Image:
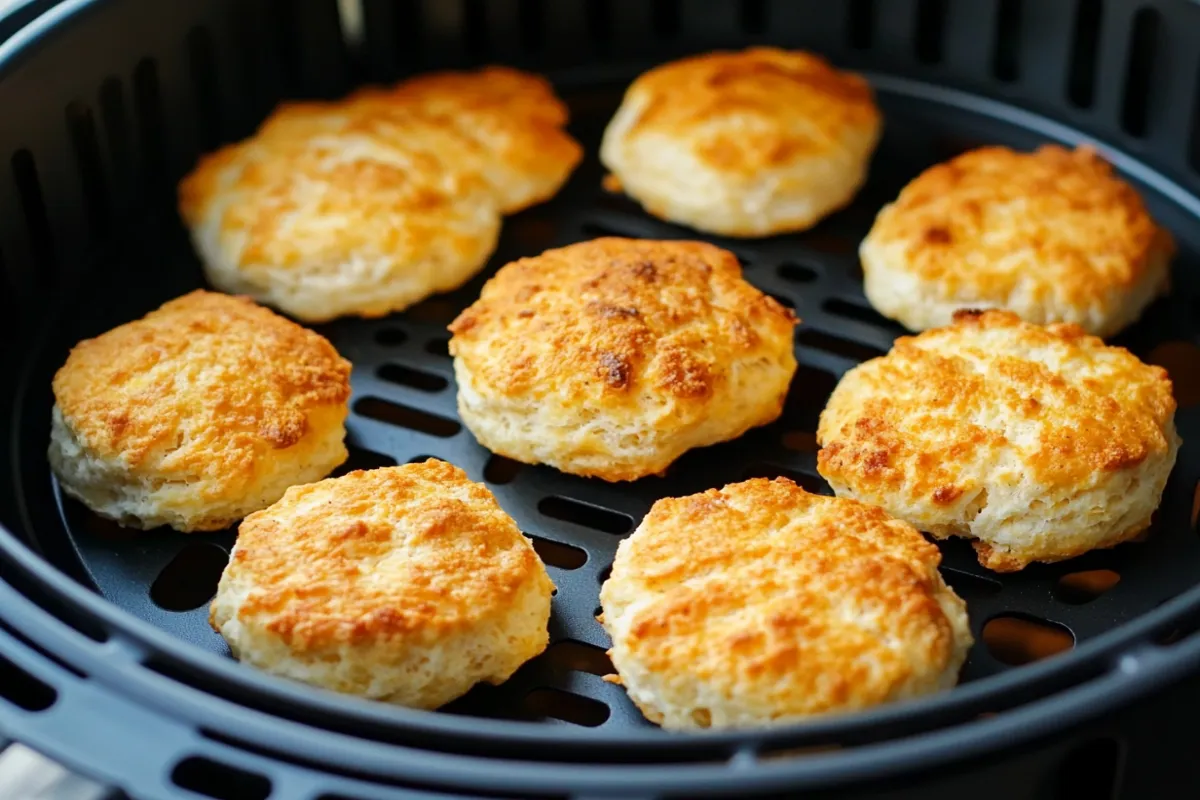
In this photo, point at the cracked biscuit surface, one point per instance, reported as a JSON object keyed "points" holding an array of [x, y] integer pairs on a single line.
{"points": [[1039, 443], [748, 143], [761, 603], [199, 413], [1053, 235], [611, 358], [407, 585]]}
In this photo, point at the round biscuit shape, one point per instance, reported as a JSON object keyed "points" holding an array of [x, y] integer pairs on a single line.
{"points": [[761, 603], [407, 585], [1053, 235], [199, 413], [1039, 443], [748, 143], [613, 357]]}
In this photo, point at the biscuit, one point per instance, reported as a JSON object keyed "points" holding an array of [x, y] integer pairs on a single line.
{"points": [[611, 358], [1040, 443], [748, 143], [1053, 236], [197, 414], [368, 205], [760, 603], [406, 584]]}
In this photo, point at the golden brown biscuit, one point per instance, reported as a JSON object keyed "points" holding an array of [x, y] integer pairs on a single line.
{"points": [[367, 205], [197, 414], [1052, 235], [613, 357], [403, 584], [1041, 443], [747, 143], [761, 603]]}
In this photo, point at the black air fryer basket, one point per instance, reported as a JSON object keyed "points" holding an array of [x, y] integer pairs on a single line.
{"points": [[1086, 674]]}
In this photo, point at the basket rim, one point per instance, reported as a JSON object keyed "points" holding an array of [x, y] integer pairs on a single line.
{"points": [[1130, 674]]}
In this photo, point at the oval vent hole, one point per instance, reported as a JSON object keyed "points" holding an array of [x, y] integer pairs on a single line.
{"points": [[209, 778], [863, 314], [405, 417], [797, 273], [1078, 588], [190, 580], [546, 703], [413, 378], [22, 689], [786, 302], [605, 574], [586, 514], [501, 470], [1181, 360], [572, 655], [557, 554], [800, 441], [440, 312], [836, 345], [391, 336], [361, 458], [1022, 640], [809, 483], [438, 347]]}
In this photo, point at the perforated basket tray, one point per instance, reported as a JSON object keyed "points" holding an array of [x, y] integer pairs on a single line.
{"points": [[88, 243]]}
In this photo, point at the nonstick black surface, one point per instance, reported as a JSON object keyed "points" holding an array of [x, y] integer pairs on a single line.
{"points": [[403, 409]]}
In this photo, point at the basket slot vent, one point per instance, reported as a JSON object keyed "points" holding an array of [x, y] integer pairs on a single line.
{"points": [[860, 24], [148, 111], [1005, 65], [664, 18], [547, 703], [475, 29], [585, 514], [752, 16], [864, 314], [797, 273], [22, 689], [406, 417], [114, 120], [501, 470], [438, 347], [283, 33], [821, 340], [579, 657], [391, 337], [1085, 44], [202, 64], [189, 581], [531, 19], [82, 127], [1140, 75], [413, 378], [209, 778], [1017, 639], [599, 17], [930, 27], [362, 458], [33, 206], [809, 483], [557, 554], [1078, 588]]}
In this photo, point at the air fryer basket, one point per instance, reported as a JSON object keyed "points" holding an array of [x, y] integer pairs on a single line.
{"points": [[107, 663]]}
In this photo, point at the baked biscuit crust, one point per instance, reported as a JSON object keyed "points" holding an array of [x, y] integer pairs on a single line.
{"points": [[367, 205], [610, 358], [1041, 443], [1053, 235], [404, 584], [761, 603], [201, 406], [745, 143]]}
